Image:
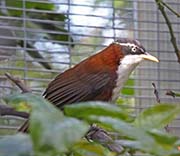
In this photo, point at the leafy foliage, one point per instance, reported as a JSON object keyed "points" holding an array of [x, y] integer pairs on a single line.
{"points": [[16, 145], [51, 132], [55, 133], [97, 109], [152, 117]]}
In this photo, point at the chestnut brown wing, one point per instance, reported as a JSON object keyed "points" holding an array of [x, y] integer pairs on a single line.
{"points": [[70, 88]]}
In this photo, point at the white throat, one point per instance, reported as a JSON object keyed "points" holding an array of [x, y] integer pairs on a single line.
{"points": [[127, 65]]}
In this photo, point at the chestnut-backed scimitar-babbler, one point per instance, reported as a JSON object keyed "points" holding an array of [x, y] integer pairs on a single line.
{"points": [[99, 77]]}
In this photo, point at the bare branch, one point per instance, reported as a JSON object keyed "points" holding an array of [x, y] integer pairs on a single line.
{"points": [[18, 82], [172, 10], [173, 38], [167, 129], [172, 93], [156, 93], [6, 110], [24, 127], [24, 89]]}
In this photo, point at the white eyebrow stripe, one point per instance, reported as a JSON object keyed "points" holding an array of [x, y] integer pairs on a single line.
{"points": [[130, 44], [127, 44]]}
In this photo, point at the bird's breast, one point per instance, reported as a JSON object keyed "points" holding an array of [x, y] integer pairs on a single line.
{"points": [[123, 72]]}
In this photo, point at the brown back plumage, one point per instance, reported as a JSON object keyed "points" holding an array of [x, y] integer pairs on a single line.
{"points": [[92, 79]]}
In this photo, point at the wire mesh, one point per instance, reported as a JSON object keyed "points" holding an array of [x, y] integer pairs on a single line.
{"points": [[41, 38]]}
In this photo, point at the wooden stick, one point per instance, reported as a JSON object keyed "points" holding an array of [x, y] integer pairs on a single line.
{"points": [[24, 89], [156, 93], [19, 83], [6, 110]]}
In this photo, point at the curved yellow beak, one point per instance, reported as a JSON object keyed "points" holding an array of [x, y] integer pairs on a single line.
{"points": [[149, 57]]}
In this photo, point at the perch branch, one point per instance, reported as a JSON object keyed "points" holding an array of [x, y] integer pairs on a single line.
{"points": [[6, 110], [24, 89], [173, 38], [18, 82], [172, 10], [104, 138]]}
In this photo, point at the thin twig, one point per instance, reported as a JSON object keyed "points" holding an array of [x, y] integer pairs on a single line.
{"points": [[24, 128], [167, 129], [172, 93], [172, 10], [156, 93], [24, 89], [19, 83], [173, 38], [6, 110]]}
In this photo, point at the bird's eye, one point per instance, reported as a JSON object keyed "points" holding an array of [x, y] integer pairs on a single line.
{"points": [[133, 48]]}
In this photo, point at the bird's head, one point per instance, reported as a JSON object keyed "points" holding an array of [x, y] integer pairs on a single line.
{"points": [[133, 51]]}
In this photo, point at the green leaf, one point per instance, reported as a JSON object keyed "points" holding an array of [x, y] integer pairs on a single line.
{"points": [[157, 116], [52, 132], [29, 5], [40, 5], [36, 102], [165, 139], [89, 148], [16, 145], [86, 109], [138, 138]]}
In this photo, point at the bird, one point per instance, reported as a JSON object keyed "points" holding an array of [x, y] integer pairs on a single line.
{"points": [[99, 77]]}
